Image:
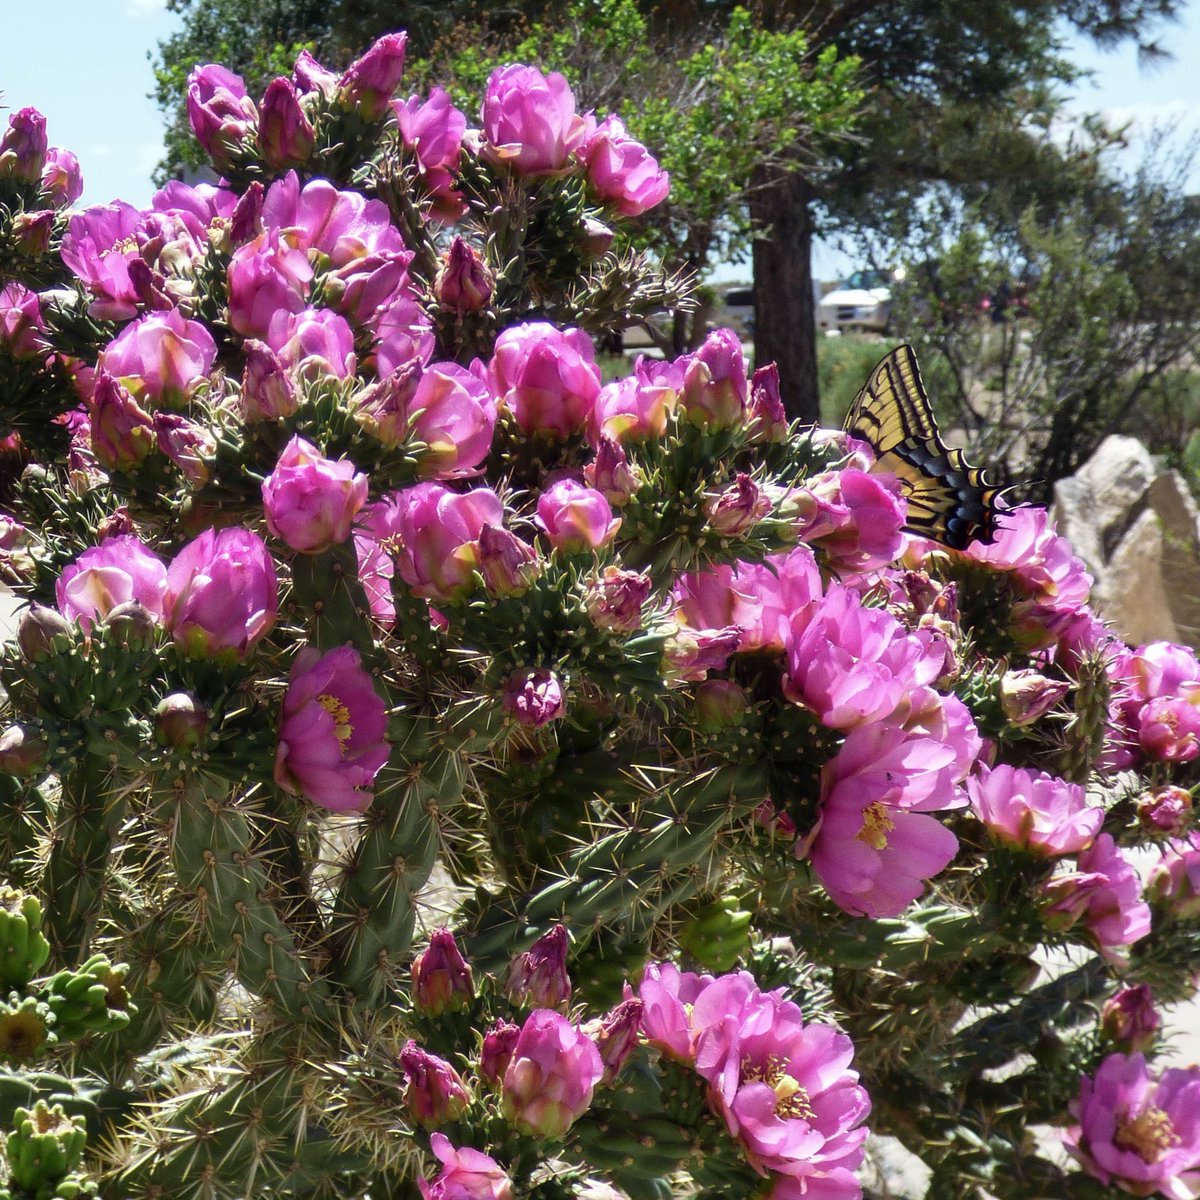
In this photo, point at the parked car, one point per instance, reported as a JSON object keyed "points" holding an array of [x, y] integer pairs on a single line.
{"points": [[862, 301]]}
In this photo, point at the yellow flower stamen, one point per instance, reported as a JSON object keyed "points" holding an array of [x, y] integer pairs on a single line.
{"points": [[1149, 1134], [792, 1101], [876, 826], [341, 717]]}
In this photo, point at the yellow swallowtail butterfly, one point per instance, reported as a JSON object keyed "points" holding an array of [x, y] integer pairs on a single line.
{"points": [[949, 500]]}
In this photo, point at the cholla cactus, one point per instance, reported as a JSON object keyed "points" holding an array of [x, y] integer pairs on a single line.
{"points": [[361, 604]]}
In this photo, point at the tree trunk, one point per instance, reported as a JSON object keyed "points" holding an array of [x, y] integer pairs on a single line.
{"points": [[785, 330]]}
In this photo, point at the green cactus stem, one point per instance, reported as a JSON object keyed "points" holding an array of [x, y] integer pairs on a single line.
{"points": [[662, 855], [22, 820], [221, 866], [90, 809], [326, 588]]}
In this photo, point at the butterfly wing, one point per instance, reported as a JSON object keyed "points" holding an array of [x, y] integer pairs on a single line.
{"points": [[949, 500]]}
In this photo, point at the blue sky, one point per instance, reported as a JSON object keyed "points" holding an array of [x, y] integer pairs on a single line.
{"points": [[84, 64]]}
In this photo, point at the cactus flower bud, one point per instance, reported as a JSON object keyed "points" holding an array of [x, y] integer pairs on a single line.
{"points": [[188, 445], [768, 419], [720, 704], [31, 231], [62, 181], [1162, 811], [442, 979], [508, 565], [498, 1045], [611, 473], [131, 625], [180, 721], [534, 697], [597, 237], [122, 432], [367, 83], [1129, 1019], [285, 135], [220, 112], [552, 1076], [738, 508], [1027, 695], [614, 601], [434, 1092], [538, 978], [267, 390], [117, 523], [20, 753], [42, 633], [23, 147], [245, 222], [616, 1036], [464, 283]]}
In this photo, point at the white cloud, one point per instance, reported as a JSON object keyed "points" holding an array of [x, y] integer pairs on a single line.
{"points": [[144, 8]]}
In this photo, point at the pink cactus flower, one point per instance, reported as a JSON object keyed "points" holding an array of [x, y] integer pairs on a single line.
{"points": [[668, 997], [62, 180], [507, 564], [738, 508], [1139, 1133], [222, 594], [575, 518], [1104, 894], [529, 121], [333, 733], [616, 1036], [311, 78], [439, 538], [370, 285], [552, 1075], [1174, 880], [433, 130], [546, 377], [330, 226], [855, 518], [621, 171], [612, 473], [534, 696], [266, 276], [1034, 811], [22, 328], [874, 846], [313, 343], [120, 569], [852, 665], [403, 333], [767, 417], [222, 116], [441, 977], [784, 1088], [161, 357], [497, 1050], [453, 414], [466, 1175], [1163, 811], [310, 500], [715, 388], [636, 408]]}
